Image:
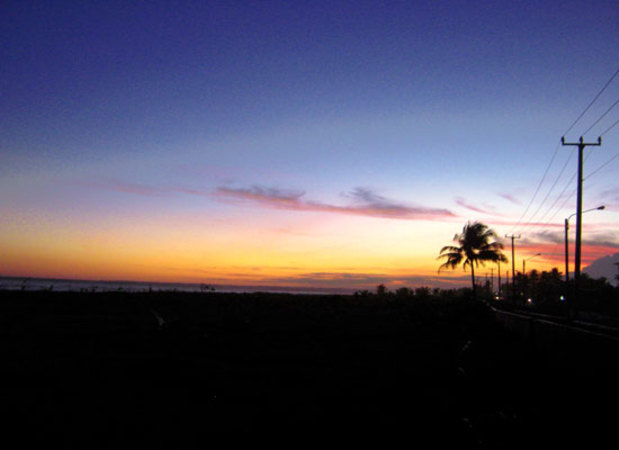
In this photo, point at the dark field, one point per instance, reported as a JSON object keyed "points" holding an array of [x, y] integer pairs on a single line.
{"points": [[115, 368]]}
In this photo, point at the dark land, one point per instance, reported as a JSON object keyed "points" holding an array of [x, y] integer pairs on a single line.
{"points": [[110, 369]]}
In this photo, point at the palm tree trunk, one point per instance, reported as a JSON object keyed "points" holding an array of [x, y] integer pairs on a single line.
{"points": [[473, 281]]}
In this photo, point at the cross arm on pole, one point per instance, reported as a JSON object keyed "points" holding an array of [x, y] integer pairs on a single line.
{"points": [[581, 142]]}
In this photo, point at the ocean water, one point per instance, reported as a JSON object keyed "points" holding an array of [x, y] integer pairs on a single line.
{"points": [[64, 285]]}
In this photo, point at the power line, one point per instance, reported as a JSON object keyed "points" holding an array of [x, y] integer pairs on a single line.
{"points": [[559, 145], [609, 128], [531, 218], [566, 199], [538, 186], [600, 118], [602, 166], [591, 104], [539, 227], [570, 196]]}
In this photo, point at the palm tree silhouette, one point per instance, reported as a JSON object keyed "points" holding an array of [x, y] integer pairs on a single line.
{"points": [[477, 245]]}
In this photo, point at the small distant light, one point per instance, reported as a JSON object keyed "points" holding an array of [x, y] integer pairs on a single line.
{"points": [[529, 300], [562, 298]]}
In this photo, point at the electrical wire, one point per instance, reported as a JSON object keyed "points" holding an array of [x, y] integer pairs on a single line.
{"points": [[600, 118], [539, 226], [609, 128], [554, 155], [571, 195], [602, 166], [550, 191], [562, 205], [532, 221], [592, 102], [557, 149]]}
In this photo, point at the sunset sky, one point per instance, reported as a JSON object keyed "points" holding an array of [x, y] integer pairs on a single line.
{"points": [[335, 143]]}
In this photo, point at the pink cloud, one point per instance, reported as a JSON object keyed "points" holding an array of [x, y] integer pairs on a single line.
{"points": [[511, 199], [364, 202], [462, 202]]}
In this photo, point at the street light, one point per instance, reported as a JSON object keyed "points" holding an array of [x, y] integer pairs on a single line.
{"points": [[525, 260], [567, 227]]}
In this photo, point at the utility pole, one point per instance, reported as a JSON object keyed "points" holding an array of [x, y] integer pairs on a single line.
{"points": [[512, 237], [567, 248], [567, 251], [499, 275], [581, 147]]}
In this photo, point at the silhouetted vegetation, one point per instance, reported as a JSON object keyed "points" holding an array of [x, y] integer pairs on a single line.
{"points": [[547, 292], [118, 366], [476, 245]]}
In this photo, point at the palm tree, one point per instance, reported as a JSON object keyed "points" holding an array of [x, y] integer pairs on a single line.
{"points": [[477, 245]]}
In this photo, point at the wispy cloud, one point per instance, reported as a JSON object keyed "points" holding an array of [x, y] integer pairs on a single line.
{"points": [[529, 225], [510, 199], [273, 197], [479, 209], [363, 202], [558, 237], [543, 237], [368, 280], [602, 240], [551, 245]]}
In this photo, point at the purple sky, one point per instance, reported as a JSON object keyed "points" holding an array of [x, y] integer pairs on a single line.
{"points": [[202, 140]]}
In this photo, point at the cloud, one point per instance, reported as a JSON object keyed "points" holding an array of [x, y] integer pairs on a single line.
{"points": [[558, 237], [605, 266], [551, 244], [602, 240], [486, 210], [544, 237], [364, 202], [273, 197], [353, 281], [511, 199], [512, 223]]}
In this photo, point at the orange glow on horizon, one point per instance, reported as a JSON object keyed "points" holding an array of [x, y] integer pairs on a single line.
{"points": [[308, 249]]}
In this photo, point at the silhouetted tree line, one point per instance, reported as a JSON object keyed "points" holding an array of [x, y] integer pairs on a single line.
{"points": [[422, 292], [543, 292], [547, 292]]}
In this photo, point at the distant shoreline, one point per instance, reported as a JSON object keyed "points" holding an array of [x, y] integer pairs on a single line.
{"points": [[69, 285]]}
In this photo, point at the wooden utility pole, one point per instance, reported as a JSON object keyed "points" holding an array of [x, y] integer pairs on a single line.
{"points": [[567, 251], [512, 237], [499, 275], [581, 147]]}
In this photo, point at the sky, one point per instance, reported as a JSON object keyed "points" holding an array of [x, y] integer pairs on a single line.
{"points": [[323, 144]]}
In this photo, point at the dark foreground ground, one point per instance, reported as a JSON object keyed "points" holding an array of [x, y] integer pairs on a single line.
{"points": [[118, 369]]}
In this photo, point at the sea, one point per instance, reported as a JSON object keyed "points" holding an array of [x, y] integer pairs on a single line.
{"points": [[67, 285]]}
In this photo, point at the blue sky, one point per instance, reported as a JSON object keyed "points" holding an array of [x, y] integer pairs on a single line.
{"points": [[164, 117]]}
